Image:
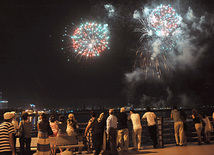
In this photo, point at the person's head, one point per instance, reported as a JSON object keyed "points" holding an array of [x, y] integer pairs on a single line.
{"points": [[123, 109], [111, 111], [71, 117], [148, 109], [52, 118], [43, 117], [174, 107], [62, 118], [8, 116], [25, 116], [195, 112], [93, 114], [132, 111], [203, 115]]}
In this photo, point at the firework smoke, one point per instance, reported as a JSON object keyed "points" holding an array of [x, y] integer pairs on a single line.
{"points": [[191, 44], [111, 10]]}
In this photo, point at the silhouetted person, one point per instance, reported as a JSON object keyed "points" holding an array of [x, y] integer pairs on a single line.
{"points": [[197, 119], [122, 130], [98, 133]]}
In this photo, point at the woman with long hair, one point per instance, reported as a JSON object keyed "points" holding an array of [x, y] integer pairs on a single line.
{"points": [[88, 132], [197, 119], [98, 133], [62, 128], [71, 125], [55, 128], [208, 128], [43, 145]]}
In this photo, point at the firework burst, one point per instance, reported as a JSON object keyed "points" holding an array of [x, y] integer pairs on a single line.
{"points": [[87, 41], [160, 29]]}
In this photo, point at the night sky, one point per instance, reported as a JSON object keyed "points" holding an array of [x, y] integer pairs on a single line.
{"points": [[35, 70]]}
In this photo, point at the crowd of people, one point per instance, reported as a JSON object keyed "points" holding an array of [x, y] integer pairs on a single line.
{"points": [[10, 130], [117, 129], [114, 127], [201, 123]]}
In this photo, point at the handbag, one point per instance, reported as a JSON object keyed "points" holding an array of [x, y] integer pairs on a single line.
{"points": [[20, 132], [50, 132]]}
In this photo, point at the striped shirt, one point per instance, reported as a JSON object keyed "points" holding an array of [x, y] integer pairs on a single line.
{"points": [[6, 128]]}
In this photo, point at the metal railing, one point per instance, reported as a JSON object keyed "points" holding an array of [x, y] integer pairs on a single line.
{"points": [[165, 132]]}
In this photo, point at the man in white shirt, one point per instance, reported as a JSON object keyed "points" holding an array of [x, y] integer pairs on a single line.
{"points": [[151, 120], [111, 125], [137, 129]]}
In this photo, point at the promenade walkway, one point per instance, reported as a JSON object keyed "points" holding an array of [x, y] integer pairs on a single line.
{"points": [[190, 149], [170, 149]]}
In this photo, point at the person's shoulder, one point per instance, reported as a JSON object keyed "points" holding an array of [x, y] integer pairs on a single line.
{"points": [[135, 114], [7, 124], [145, 114], [108, 117]]}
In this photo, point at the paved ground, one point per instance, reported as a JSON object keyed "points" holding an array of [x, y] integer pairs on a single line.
{"points": [[190, 149]]}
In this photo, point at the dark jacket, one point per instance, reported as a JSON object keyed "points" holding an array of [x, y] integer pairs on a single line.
{"points": [[122, 121]]}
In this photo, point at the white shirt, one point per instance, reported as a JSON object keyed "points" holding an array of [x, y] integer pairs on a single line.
{"points": [[135, 118], [111, 122], [150, 116]]}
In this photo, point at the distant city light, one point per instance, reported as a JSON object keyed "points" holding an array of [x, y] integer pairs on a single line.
{"points": [[32, 105], [3, 101]]}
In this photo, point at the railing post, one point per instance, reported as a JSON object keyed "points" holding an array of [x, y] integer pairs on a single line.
{"points": [[160, 131]]}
